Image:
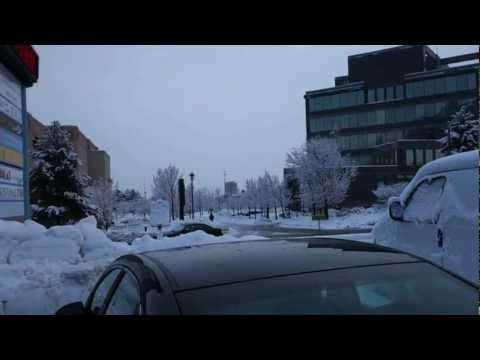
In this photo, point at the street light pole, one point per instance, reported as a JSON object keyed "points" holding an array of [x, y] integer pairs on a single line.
{"points": [[192, 175]]}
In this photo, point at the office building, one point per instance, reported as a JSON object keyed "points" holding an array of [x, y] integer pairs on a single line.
{"points": [[389, 111], [231, 188]]}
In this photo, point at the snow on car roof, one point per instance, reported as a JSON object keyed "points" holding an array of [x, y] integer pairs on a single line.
{"points": [[465, 160], [222, 263]]}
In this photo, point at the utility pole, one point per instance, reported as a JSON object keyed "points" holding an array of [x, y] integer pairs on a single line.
{"points": [[192, 175]]}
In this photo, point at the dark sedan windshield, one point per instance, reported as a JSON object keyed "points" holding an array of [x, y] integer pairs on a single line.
{"points": [[413, 288]]}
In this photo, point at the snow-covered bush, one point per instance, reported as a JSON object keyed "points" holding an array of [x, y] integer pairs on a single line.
{"points": [[57, 191], [383, 191]]}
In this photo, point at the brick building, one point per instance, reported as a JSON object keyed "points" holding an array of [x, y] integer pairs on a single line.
{"points": [[95, 162]]}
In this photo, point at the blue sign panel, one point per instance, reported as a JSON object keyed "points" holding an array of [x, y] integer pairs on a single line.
{"points": [[13, 186]]}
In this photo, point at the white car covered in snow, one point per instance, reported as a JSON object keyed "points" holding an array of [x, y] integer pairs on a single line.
{"points": [[436, 216]]}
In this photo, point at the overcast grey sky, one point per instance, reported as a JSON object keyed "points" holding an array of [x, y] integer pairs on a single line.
{"points": [[202, 108]]}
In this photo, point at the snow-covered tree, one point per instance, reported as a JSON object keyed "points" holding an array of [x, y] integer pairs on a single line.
{"points": [[165, 186], [323, 174], [57, 191], [102, 197], [384, 192], [462, 133]]}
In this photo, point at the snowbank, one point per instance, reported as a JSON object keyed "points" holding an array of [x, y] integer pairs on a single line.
{"points": [[42, 270], [355, 218]]}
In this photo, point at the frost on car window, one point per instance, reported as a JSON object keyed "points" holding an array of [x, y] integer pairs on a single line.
{"points": [[422, 205]]}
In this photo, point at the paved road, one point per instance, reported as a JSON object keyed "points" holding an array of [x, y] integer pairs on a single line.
{"points": [[275, 231]]}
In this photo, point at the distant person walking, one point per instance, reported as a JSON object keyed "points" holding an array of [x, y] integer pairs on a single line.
{"points": [[211, 217]]}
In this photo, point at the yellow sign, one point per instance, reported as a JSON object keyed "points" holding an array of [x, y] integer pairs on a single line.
{"points": [[11, 157]]}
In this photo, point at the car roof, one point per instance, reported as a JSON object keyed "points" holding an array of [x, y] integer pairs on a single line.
{"points": [[221, 263]]}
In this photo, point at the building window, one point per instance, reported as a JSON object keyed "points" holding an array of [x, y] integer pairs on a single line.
{"points": [[429, 110], [419, 111], [371, 95], [390, 116], [410, 90], [362, 119], [472, 81], [440, 86], [439, 108], [451, 84], [327, 102], [429, 87], [409, 157], [372, 139], [381, 94], [428, 155], [378, 117], [390, 93], [419, 157], [380, 138], [352, 120], [335, 101], [399, 91], [462, 82], [409, 113], [419, 88], [399, 115], [360, 97]]}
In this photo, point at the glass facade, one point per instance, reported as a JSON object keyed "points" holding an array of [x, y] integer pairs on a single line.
{"points": [[409, 157], [336, 101], [390, 94], [442, 85], [399, 91], [366, 140], [380, 94], [389, 116]]}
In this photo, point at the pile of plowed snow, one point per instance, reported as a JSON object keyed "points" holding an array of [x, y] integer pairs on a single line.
{"points": [[43, 269]]}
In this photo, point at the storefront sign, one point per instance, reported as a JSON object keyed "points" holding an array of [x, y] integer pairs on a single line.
{"points": [[11, 193], [10, 110], [10, 88], [10, 175]]}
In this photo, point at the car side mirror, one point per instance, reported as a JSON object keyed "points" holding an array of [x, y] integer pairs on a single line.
{"points": [[395, 209], [75, 308]]}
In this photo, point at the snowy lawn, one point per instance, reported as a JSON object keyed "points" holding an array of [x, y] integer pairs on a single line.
{"points": [[358, 218], [43, 269]]}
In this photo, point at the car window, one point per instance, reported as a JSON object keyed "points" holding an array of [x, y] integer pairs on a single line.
{"points": [[101, 292], [423, 202], [411, 288], [126, 298]]}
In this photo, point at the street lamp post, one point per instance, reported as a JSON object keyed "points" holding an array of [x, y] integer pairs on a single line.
{"points": [[192, 175]]}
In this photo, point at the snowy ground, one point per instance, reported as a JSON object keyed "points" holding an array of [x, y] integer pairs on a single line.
{"points": [[41, 270], [358, 218]]}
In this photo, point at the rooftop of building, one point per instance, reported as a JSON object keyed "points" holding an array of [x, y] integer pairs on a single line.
{"points": [[424, 62]]}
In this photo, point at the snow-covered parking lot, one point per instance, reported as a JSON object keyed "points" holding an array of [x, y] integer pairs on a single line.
{"points": [[41, 270]]}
